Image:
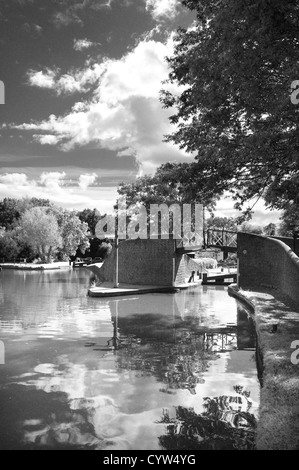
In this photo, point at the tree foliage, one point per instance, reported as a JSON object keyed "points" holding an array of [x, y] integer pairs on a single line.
{"points": [[171, 183], [40, 230], [289, 222], [12, 209], [234, 112], [251, 228], [222, 223], [270, 230], [91, 217], [31, 228], [74, 233], [9, 248]]}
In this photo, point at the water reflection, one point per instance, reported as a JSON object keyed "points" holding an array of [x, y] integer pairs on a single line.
{"points": [[225, 424], [90, 373]]}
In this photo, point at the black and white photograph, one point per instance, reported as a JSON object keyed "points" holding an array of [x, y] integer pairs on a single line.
{"points": [[149, 227]]}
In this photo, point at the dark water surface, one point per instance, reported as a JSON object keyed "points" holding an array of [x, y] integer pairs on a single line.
{"points": [[155, 371]]}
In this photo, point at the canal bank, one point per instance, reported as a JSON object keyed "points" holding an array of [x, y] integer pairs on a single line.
{"points": [[36, 267], [277, 327]]}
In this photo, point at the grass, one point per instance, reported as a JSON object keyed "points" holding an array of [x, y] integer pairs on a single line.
{"points": [[278, 425]]}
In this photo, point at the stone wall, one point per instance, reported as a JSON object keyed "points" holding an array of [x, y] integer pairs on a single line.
{"points": [[144, 262], [290, 242], [149, 262], [267, 262]]}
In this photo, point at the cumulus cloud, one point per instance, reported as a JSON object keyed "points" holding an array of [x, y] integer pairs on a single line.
{"points": [[80, 44], [76, 81], [14, 179], [123, 112], [61, 188], [52, 180], [46, 139], [42, 79], [161, 9], [87, 179]]}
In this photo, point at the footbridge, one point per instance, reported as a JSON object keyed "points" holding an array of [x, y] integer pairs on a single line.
{"points": [[225, 240]]}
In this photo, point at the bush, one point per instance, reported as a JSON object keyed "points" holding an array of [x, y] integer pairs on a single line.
{"points": [[207, 263]]}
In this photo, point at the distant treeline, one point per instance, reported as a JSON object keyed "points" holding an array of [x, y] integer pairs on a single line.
{"points": [[37, 230]]}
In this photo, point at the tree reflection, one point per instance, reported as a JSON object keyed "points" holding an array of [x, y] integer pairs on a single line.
{"points": [[226, 423], [177, 365]]}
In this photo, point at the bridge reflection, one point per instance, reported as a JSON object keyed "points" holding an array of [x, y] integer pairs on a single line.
{"points": [[179, 327]]}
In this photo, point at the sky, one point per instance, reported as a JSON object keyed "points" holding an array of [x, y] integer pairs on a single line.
{"points": [[82, 111]]}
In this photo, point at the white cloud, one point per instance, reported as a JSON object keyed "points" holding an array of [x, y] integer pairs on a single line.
{"points": [[52, 185], [14, 179], [52, 180], [46, 139], [42, 79], [161, 9], [124, 113], [80, 44], [87, 179], [79, 80]]}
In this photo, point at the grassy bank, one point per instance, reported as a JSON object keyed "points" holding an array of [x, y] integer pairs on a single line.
{"points": [[35, 266], [278, 426]]}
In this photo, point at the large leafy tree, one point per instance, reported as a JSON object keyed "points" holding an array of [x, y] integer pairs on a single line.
{"points": [[91, 217], [12, 209], [74, 233], [171, 183], [9, 248], [222, 223], [234, 112], [39, 230], [289, 225]]}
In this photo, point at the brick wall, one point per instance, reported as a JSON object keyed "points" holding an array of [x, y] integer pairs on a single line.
{"points": [[180, 270], [145, 262], [267, 261], [290, 242]]}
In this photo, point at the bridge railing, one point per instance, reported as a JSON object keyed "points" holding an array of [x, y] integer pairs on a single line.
{"points": [[221, 238]]}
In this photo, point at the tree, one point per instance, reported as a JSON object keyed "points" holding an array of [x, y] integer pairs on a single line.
{"points": [[74, 233], [12, 209], [91, 217], [9, 212], [270, 230], [9, 248], [222, 223], [289, 222], [250, 228], [40, 230], [104, 249], [234, 112], [172, 183]]}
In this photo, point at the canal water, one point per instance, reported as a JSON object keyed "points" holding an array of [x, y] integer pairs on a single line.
{"points": [[155, 371]]}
